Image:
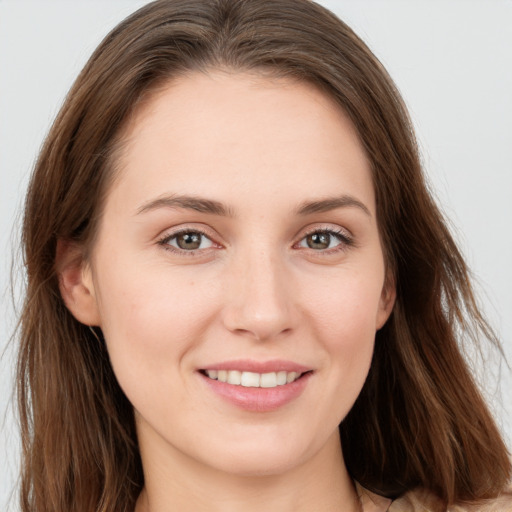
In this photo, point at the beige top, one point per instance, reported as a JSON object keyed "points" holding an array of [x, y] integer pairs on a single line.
{"points": [[422, 501]]}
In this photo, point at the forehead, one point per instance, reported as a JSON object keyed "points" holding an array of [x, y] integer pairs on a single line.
{"points": [[224, 130]]}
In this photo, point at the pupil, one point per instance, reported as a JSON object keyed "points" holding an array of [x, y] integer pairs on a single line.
{"points": [[318, 240], [189, 241]]}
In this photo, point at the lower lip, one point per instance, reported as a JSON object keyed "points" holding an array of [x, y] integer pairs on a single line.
{"points": [[258, 399]]}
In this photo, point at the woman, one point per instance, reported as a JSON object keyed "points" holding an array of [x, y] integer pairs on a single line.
{"points": [[240, 293]]}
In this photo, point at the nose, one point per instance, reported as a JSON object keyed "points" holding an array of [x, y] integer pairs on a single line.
{"points": [[259, 298]]}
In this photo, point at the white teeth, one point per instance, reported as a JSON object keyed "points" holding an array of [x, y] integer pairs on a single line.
{"points": [[234, 377], [252, 379], [290, 377], [268, 380]]}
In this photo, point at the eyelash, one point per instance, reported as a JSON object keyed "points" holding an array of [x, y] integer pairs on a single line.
{"points": [[346, 241], [164, 241]]}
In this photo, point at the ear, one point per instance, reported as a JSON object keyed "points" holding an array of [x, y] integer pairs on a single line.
{"points": [[76, 283], [387, 301]]}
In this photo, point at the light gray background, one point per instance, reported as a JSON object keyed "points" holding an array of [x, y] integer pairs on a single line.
{"points": [[452, 60]]}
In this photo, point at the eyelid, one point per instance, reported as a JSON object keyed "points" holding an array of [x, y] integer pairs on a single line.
{"points": [[343, 234], [334, 228], [173, 233]]}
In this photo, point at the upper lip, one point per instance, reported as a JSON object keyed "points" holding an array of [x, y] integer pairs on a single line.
{"points": [[250, 365]]}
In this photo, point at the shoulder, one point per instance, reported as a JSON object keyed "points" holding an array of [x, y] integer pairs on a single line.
{"points": [[371, 502], [423, 501]]}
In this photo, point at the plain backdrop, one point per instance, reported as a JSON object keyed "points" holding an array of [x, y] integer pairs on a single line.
{"points": [[452, 60]]}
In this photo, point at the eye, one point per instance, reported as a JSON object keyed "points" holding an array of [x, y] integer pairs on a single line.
{"points": [[189, 240], [321, 240]]}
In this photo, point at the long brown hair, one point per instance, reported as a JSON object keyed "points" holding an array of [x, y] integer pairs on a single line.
{"points": [[419, 420]]}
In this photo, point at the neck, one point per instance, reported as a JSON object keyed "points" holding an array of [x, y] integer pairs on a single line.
{"points": [[177, 483]]}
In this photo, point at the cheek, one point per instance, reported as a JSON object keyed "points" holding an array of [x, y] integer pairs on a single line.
{"points": [[347, 304], [343, 316], [150, 322]]}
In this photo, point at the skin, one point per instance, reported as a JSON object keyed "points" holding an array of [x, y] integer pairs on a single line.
{"points": [[254, 289]]}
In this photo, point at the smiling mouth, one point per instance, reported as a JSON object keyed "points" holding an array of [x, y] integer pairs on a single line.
{"points": [[252, 379]]}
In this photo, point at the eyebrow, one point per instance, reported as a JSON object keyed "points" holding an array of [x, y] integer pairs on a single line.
{"points": [[195, 203], [213, 207], [331, 203]]}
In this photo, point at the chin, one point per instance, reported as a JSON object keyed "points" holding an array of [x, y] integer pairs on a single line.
{"points": [[258, 465], [262, 458]]}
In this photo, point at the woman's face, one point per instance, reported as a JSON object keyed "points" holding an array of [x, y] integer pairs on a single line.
{"points": [[239, 242]]}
